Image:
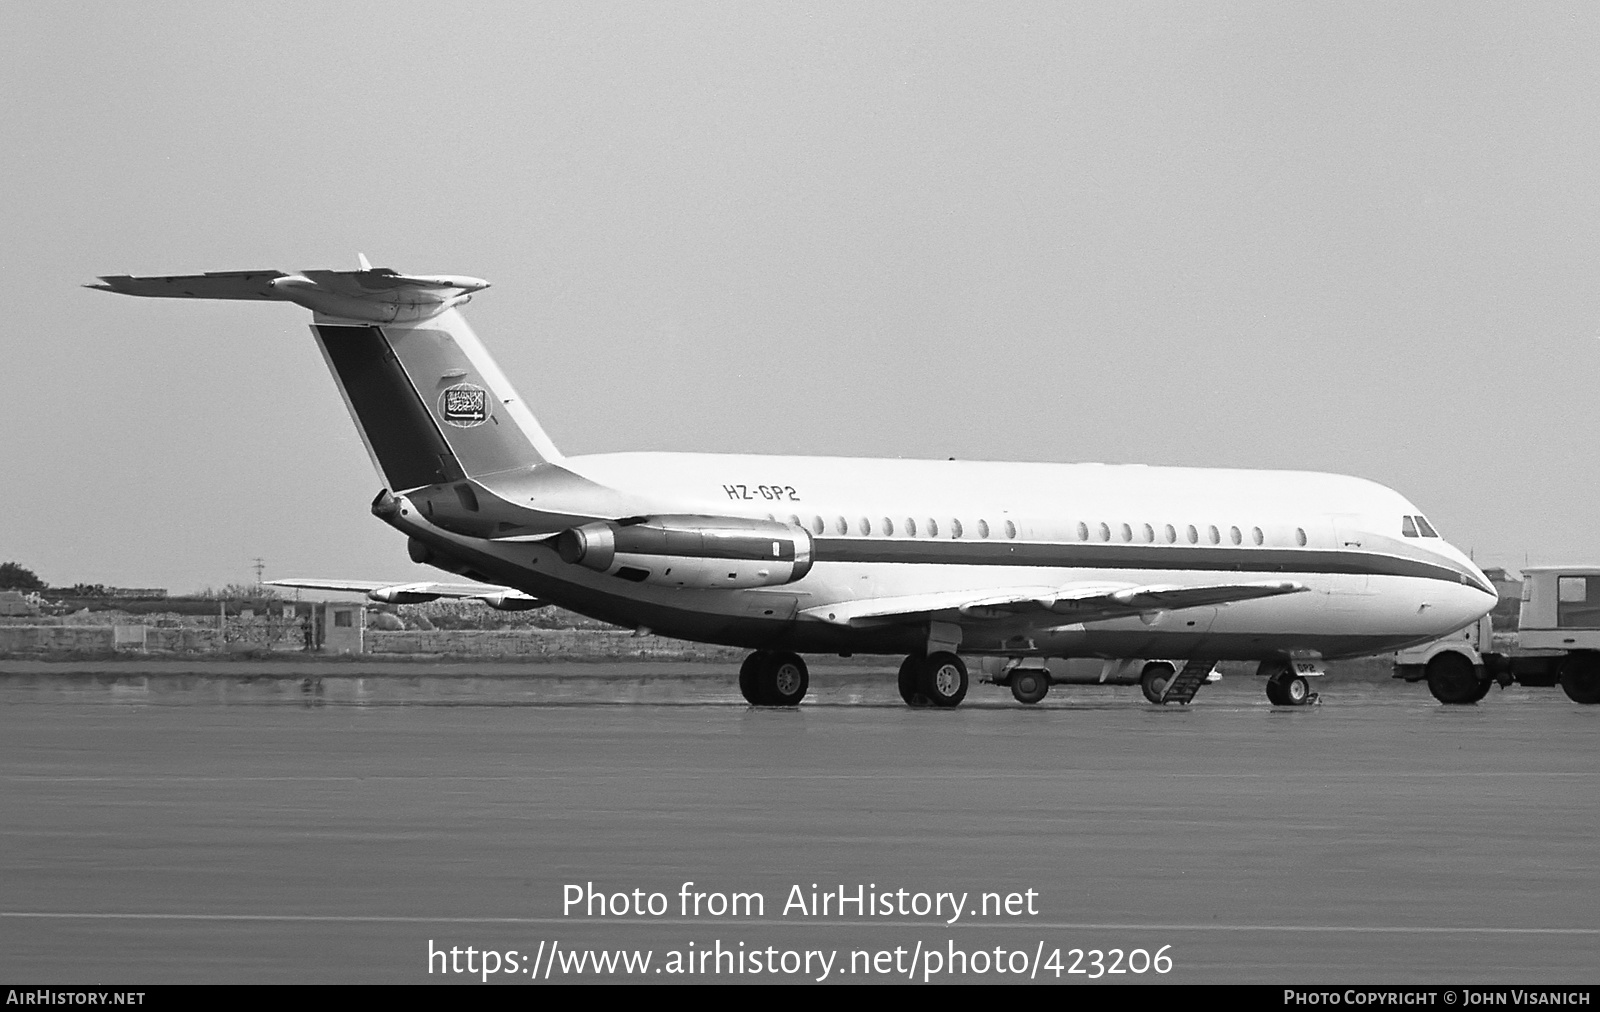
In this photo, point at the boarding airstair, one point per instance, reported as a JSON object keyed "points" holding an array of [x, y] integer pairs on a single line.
{"points": [[1187, 682]]}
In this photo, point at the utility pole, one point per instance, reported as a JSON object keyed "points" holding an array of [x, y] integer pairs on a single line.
{"points": [[260, 567]]}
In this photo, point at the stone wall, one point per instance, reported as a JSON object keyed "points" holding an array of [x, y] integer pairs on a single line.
{"points": [[553, 643], [24, 639], [44, 638]]}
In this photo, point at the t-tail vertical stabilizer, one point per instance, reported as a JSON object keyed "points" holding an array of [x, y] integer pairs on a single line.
{"points": [[438, 417]]}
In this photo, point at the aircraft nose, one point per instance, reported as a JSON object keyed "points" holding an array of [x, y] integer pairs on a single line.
{"points": [[1482, 596], [1486, 603], [1482, 584]]}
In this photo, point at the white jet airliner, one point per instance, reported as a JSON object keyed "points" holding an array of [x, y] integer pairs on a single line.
{"points": [[936, 560]]}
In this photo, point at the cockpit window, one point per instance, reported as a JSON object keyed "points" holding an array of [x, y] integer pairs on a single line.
{"points": [[1408, 527], [1426, 528]]}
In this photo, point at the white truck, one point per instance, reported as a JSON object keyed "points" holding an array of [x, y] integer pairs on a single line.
{"points": [[1557, 642]]}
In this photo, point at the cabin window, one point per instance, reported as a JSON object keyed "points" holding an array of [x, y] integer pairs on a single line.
{"points": [[1172, 535], [342, 618], [817, 526], [1149, 534], [866, 526], [1011, 529], [1105, 531], [1578, 602], [842, 526], [933, 528], [1127, 533], [1214, 535], [1257, 536], [911, 528], [794, 519], [1300, 536], [1083, 531], [1408, 527], [1194, 535], [888, 527], [983, 528], [955, 528], [1235, 536], [1426, 528]]}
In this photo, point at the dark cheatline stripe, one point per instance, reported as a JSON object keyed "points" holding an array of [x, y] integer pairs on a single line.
{"points": [[1057, 556], [397, 424]]}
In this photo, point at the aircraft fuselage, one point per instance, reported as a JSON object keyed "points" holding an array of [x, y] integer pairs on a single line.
{"points": [[898, 528]]}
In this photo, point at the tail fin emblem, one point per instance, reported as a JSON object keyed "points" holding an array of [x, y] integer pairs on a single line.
{"points": [[464, 405]]}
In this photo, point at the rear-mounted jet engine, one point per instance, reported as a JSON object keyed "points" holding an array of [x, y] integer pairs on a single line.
{"points": [[704, 552]]}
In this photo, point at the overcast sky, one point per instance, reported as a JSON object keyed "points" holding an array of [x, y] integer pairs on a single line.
{"points": [[1343, 237]]}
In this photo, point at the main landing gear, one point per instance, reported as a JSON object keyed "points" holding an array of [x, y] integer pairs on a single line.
{"points": [[1285, 686], [774, 678], [1154, 679], [936, 679], [779, 678]]}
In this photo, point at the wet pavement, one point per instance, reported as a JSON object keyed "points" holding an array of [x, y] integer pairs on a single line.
{"points": [[255, 827]]}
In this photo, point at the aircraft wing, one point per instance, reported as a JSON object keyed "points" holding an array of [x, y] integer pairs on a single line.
{"points": [[1071, 604], [503, 598]]}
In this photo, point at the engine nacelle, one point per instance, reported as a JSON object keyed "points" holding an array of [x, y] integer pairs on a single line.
{"points": [[702, 552]]}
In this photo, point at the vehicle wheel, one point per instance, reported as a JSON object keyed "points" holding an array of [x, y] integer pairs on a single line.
{"points": [[943, 679], [910, 668], [1029, 685], [749, 684], [1484, 685], [783, 679], [1580, 678], [1155, 678], [1452, 679]]}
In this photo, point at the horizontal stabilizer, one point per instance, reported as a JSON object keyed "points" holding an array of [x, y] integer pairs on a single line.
{"points": [[217, 285], [373, 295]]}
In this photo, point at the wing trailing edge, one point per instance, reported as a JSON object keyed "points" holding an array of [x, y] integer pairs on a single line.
{"points": [[1048, 605]]}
